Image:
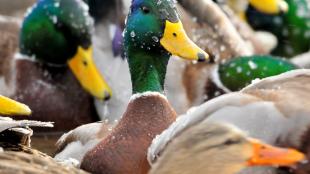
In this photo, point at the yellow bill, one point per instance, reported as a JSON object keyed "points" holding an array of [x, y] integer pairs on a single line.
{"points": [[176, 41], [11, 107], [270, 6], [264, 154], [83, 67]]}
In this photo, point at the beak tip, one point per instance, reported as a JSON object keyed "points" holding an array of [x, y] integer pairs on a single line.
{"points": [[27, 110], [107, 96], [202, 57]]}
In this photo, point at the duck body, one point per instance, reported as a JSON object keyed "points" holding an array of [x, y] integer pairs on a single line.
{"points": [[208, 147], [264, 110], [130, 139], [76, 143], [268, 98], [53, 91], [291, 28]]}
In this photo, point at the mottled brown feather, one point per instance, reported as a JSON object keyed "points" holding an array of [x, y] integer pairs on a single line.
{"points": [[54, 95], [124, 151]]}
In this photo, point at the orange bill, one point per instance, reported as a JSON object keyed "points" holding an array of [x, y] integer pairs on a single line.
{"points": [[264, 154]]}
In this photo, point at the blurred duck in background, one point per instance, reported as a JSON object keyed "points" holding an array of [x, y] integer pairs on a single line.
{"points": [[292, 29], [55, 73]]}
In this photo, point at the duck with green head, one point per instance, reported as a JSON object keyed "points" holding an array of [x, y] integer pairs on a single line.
{"points": [[200, 82], [153, 33], [291, 28], [239, 72], [57, 34], [234, 75], [209, 81]]}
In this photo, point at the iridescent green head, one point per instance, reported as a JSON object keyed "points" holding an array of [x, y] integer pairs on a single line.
{"points": [[240, 72], [59, 32], [54, 29], [291, 29], [153, 33], [154, 25]]}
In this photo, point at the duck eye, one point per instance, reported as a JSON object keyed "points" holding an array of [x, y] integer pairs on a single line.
{"points": [[231, 142], [145, 10]]}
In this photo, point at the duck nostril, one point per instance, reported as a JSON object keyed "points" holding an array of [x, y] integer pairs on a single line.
{"points": [[85, 63]]}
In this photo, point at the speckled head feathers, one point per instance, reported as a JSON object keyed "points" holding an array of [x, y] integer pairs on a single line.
{"points": [[53, 29]]}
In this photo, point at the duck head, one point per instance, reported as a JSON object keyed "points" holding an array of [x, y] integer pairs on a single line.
{"points": [[11, 107], [155, 25], [270, 6], [153, 33], [219, 148], [58, 32], [239, 72]]}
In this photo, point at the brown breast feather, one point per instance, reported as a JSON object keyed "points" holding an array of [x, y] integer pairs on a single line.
{"points": [[124, 151]]}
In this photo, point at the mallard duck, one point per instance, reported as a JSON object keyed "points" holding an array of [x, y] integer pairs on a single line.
{"points": [[239, 72], [115, 67], [209, 148], [72, 145], [148, 49], [204, 82], [274, 110], [291, 28], [55, 45]]}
